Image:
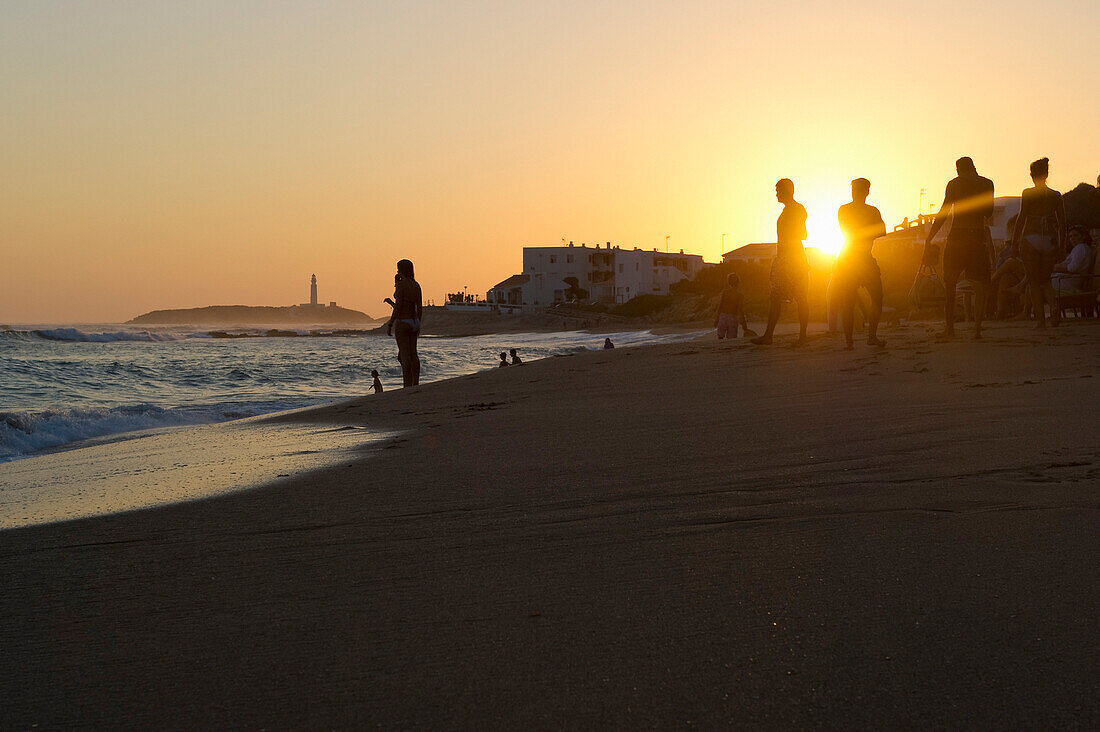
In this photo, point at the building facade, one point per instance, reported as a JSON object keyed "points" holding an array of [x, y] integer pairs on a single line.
{"points": [[757, 253], [604, 274]]}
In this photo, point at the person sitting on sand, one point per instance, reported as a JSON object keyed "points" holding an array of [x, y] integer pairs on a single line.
{"points": [[515, 358], [731, 309], [377, 385], [855, 267], [790, 276], [607, 343], [503, 359]]}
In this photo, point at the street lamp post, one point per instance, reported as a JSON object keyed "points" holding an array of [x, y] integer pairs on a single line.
{"points": [[666, 242]]}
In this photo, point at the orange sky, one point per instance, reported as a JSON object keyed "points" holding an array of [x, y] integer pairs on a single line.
{"points": [[220, 153]]}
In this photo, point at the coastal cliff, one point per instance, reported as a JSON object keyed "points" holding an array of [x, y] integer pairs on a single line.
{"points": [[252, 315]]}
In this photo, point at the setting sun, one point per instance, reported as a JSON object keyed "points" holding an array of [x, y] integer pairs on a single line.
{"points": [[822, 229]]}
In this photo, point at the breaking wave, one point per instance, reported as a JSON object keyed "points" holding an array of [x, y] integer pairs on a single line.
{"points": [[24, 433]]}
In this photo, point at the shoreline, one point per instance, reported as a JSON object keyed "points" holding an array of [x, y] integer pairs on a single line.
{"points": [[698, 532]]}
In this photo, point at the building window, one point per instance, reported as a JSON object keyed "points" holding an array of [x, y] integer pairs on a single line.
{"points": [[553, 259], [620, 269], [635, 266], [569, 259]]}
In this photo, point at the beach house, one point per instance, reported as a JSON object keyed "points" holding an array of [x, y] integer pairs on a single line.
{"points": [[757, 253], [604, 274]]}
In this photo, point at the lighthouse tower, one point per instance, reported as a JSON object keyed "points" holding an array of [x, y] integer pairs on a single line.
{"points": [[313, 290]]}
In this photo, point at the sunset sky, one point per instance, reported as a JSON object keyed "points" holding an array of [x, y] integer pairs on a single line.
{"points": [[160, 155]]}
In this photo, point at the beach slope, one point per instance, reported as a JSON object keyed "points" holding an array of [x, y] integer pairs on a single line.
{"points": [[698, 534]]}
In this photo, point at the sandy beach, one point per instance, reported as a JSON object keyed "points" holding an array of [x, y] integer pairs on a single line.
{"points": [[699, 534]]}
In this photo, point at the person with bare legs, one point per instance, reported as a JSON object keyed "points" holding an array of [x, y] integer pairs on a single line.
{"points": [[731, 309], [967, 203], [790, 276], [404, 324], [1039, 236], [855, 267]]}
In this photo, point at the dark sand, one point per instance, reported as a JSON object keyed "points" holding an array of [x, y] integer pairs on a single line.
{"points": [[689, 535]]}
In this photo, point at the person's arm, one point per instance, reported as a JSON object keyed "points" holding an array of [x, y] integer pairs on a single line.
{"points": [[939, 221], [1060, 216], [880, 226], [802, 234], [393, 315], [741, 311], [1018, 230]]}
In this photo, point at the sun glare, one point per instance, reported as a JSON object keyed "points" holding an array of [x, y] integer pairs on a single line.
{"points": [[822, 229]]}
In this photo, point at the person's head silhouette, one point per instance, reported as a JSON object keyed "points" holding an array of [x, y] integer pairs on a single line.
{"points": [[1040, 170], [405, 269], [965, 166], [861, 188], [784, 190], [733, 280]]}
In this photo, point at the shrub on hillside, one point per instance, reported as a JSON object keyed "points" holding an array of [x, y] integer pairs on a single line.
{"points": [[642, 306]]}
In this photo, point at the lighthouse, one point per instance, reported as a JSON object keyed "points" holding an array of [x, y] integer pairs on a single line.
{"points": [[313, 290]]}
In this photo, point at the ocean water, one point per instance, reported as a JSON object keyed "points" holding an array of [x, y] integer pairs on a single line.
{"points": [[61, 386]]}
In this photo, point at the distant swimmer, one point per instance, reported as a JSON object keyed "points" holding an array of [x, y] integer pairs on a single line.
{"points": [[731, 309], [968, 203], [377, 385], [503, 360], [790, 277], [855, 267], [516, 361], [607, 343], [1040, 236], [404, 324]]}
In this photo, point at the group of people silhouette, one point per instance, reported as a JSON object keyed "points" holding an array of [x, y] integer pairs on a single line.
{"points": [[1039, 235], [1037, 239]]}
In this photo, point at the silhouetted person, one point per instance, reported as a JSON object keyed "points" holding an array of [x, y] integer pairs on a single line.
{"points": [[1039, 236], [404, 324], [1072, 270], [731, 309], [790, 277], [503, 360], [516, 361], [968, 203], [607, 343], [389, 300], [855, 267], [377, 385]]}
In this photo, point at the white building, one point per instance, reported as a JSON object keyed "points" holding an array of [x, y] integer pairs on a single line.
{"points": [[606, 274]]}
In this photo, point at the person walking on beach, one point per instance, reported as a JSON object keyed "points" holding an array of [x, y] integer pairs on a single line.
{"points": [[404, 324], [1039, 236], [855, 267], [968, 203], [377, 385], [731, 309], [790, 277]]}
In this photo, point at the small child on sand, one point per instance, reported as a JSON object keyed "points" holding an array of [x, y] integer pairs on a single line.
{"points": [[377, 385], [731, 309], [515, 359], [503, 359]]}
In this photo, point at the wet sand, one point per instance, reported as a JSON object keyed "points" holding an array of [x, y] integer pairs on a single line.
{"points": [[696, 534]]}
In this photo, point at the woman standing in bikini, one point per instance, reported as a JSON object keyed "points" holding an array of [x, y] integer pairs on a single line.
{"points": [[404, 324], [1039, 236]]}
